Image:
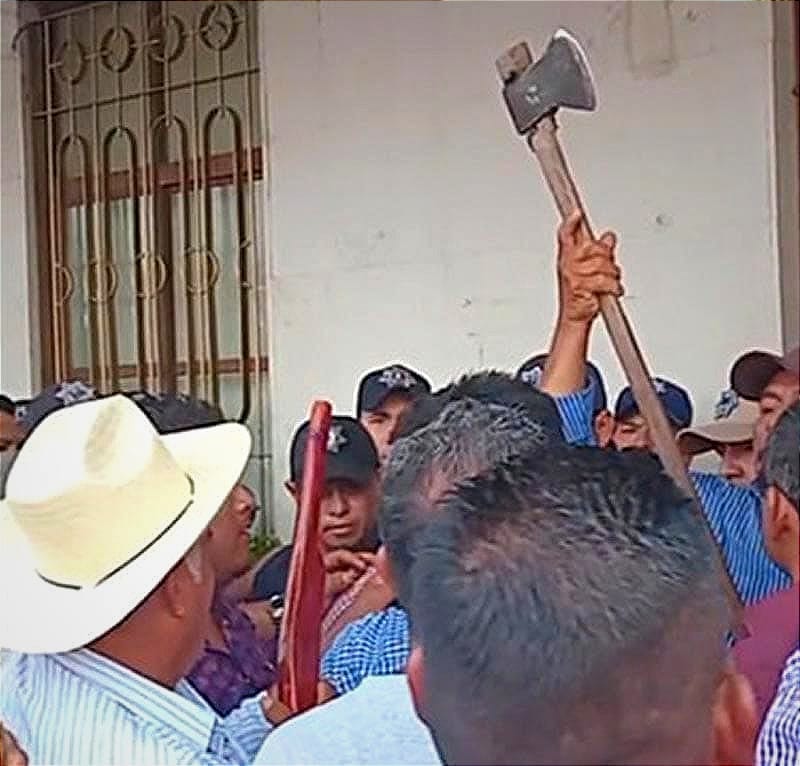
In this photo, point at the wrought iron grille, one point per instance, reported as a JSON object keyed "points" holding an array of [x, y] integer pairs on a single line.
{"points": [[144, 120]]}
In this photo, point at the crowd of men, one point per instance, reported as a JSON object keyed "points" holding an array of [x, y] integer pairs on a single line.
{"points": [[511, 577]]}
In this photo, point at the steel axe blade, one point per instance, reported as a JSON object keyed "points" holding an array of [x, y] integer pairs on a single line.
{"points": [[560, 78]]}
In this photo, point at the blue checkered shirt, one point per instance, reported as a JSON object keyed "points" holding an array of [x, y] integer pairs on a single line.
{"points": [[376, 645], [779, 741]]}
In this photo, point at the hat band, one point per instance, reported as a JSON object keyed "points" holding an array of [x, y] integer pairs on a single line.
{"points": [[136, 555]]}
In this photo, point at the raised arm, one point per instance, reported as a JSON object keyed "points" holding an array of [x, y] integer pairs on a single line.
{"points": [[586, 270]]}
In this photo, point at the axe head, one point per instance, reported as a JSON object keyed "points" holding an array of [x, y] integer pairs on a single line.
{"points": [[534, 90]]}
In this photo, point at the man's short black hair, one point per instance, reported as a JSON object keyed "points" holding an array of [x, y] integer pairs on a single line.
{"points": [[782, 461], [490, 387], [464, 439], [569, 611], [7, 405], [171, 413]]}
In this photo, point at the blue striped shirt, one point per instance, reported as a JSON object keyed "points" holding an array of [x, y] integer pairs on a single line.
{"points": [[734, 515], [575, 411], [779, 741], [82, 708]]}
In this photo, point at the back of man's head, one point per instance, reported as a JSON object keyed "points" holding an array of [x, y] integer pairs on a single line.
{"points": [[782, 461], [568, 610], [466, 438], [488, 387], [780, 521]]}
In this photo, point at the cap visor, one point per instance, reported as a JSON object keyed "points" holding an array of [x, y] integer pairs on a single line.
{"points": [[703, 438], [359, 477], [374, 403]]}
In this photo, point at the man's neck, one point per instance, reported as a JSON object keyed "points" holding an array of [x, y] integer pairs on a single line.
{"points": [[147, 657]]}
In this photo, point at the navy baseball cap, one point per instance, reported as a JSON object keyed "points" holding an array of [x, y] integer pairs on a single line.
{"points": [[531, 373], [674, 399], [351, 452], [173, 413], [376, 386], [32, 412]]}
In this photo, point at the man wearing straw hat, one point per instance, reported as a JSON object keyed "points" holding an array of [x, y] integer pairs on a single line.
{"points": [[108, 587]]}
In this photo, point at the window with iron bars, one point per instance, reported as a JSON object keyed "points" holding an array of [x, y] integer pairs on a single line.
{"points": [[146, 144]]}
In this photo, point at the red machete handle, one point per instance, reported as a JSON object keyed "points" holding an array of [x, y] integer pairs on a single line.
{"points": [[302, 622]]}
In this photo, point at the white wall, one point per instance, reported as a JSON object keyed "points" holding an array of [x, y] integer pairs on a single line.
{"points": [[409, 223], [15, 320], [787, 163]]}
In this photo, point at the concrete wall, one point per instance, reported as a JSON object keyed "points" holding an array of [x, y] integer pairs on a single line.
{"points": [[16, 326], [786, 79], [407, 222]]}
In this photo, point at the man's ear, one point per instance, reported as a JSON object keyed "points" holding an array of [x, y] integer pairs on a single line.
{"points": [[781, 527], [415, 672], [291, 488], [735, 720], [175, 590], [780, 514], [604, 427], [384, 567], [770, 520]]}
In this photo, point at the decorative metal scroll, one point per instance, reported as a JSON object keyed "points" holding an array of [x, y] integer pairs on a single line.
{"points": [[146, 173], [147, 151]]}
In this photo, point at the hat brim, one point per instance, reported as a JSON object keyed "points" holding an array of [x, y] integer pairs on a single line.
{"points": [[630, 412], [40, 617], [374, 403], [701, 439], [361, 476]]}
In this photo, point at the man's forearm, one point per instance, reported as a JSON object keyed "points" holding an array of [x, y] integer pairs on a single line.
{"points": [[565, 369]]}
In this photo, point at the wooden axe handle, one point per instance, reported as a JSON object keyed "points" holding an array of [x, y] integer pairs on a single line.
{"points": [[305, 591], [544, 142]]}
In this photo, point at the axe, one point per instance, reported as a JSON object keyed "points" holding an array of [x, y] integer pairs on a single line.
{"points": [[305, 591], [533, 92]]}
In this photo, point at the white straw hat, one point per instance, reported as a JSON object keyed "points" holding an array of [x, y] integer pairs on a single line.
{"points": [[98, 508]]}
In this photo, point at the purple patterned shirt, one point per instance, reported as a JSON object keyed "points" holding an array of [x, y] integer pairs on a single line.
{"points": [[247, 668]]}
